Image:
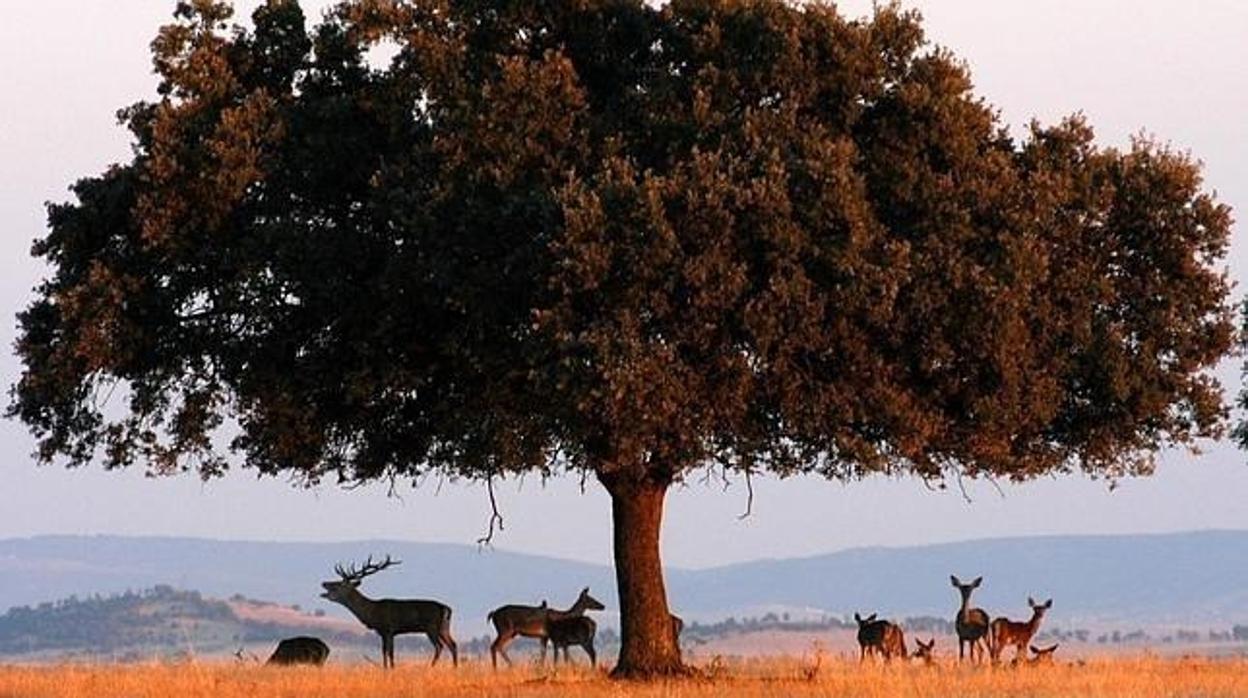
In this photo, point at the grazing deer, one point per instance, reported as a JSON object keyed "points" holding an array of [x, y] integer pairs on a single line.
{"points": [[573, 630], [531, 621], [1005, 632], [1042, 655], [923, 650], [299, 650], [390, 617], [879, 637], [971, 623]]}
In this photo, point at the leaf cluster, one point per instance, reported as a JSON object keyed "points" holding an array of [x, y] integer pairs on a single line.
{"points": [[635, 240]]}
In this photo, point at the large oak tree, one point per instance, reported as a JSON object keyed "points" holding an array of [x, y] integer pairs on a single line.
{"points": [[633, 241]]}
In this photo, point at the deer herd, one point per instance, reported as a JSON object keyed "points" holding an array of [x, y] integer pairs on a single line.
{"points": [[976, 632], [568, 627]]}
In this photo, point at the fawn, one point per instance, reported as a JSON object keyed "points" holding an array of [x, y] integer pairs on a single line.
{"points": [[1004, 632]]}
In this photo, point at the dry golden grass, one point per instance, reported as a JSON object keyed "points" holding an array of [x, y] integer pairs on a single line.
{"points": [[771, 678]]}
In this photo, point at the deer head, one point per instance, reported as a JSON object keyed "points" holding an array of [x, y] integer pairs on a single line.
{"points": [[1038, 609], [350, 577], [588, 602], [924, 650], [966, 589], [1042, 655], [863, 621]]}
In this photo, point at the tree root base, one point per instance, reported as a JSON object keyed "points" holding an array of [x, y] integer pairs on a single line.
{"points": [[660, 672]]}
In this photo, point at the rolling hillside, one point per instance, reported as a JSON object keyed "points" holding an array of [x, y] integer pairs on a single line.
{"points": [[1154, 579]]}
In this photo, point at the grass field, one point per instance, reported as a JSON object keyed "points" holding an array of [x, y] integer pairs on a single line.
{"points": [[804, 676]]}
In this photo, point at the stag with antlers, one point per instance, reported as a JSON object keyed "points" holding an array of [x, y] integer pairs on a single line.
{"points": [[1004, 632], [390, 617]]}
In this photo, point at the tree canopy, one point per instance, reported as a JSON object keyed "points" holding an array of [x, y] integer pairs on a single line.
{"points": [[626, 239]]}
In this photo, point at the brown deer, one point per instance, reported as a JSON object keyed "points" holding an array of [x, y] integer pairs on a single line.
{"points": [[970, 623], [1041, 655], [573, 630], [923, 650], [1004, 632], [879, 637], [390, 617], [894, 642], [515, 620], [299, 650]]}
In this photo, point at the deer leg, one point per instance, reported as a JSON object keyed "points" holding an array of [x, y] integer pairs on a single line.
{"points": [[542, 660], [450, 644], [593, 656], [387, 651], [437, 647], [499, 647]]}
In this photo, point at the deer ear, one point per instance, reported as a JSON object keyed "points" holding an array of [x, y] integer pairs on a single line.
{"points": [[870, 617], [1048, 604], [953, 579], [857, 618], [1031, 602], [977, 581]]}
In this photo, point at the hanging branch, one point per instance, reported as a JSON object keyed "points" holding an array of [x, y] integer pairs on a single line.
{"points": [[496, 519], [993, 481], [749, 501], [957, 477]]}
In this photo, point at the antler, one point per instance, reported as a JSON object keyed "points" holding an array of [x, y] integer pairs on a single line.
{"points": [[351, 574]]}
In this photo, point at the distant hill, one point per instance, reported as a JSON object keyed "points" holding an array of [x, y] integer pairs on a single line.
{"points": [[157, 622], [1140, 579], [1152, 579]]}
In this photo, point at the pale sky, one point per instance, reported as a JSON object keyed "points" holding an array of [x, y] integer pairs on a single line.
{"points": [[1175, 69]]}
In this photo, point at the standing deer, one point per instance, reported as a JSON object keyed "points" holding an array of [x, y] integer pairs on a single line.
{"points": [[879, 637], [299, 650], [390, 617], [1005, 632], [573, 630], [971, 623], [531, 621], [923, 650]]}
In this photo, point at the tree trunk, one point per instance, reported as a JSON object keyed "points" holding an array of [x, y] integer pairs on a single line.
{"points": [[649, 647]]}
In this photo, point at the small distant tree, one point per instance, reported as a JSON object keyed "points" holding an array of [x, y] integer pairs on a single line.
{"points": [[617, 239]]}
